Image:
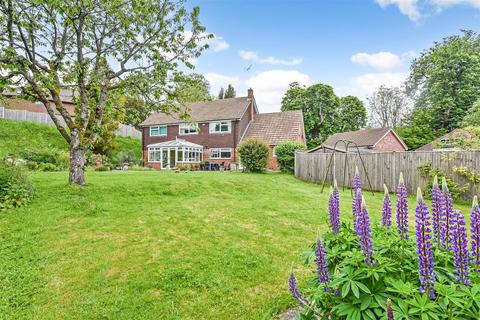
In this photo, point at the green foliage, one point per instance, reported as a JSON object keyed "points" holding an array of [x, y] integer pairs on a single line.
{"points": [[444, 81], [43, 144], [102, 168], [323, 112], [285, 153], [359, 291], [191, 88], [253, 155], [352, 114], [16, 189], [45, 159], [417, 132], [229, 93], [428, 172], [472, 117]]}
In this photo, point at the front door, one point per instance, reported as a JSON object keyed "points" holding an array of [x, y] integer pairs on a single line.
{"points": [[172, 160], [164, 158]]}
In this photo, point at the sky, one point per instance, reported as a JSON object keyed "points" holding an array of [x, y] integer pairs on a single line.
{"points": [[353, 45]]}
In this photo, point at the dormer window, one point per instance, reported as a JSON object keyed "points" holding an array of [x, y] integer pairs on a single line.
{"points": [[220, 127]]}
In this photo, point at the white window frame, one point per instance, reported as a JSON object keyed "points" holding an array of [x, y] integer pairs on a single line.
{"points": [[213, 124], [159, 134], [220, 150], [188, 126], [154, 150]]}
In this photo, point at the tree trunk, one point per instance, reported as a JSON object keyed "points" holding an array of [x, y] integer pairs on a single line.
{"points": [[77, 160]]}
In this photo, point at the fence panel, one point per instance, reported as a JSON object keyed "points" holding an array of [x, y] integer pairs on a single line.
{"points": [[377, 169], [40, 117]]}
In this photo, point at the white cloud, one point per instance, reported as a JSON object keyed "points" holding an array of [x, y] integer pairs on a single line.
{"points": [[379, 60], [407, 7], [270, 86], [218, 43], [449, 3], [366, 84], [253, 56], [218, 81]]}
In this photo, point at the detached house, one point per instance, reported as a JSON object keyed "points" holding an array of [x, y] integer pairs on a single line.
{"points": [[214, 131]]}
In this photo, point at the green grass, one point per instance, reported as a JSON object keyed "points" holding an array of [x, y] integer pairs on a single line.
{"points": [[160, 245], [17, 136]]}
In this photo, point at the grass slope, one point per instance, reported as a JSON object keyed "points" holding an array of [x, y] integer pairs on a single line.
{"points": [[16, 136], [160, 245]]}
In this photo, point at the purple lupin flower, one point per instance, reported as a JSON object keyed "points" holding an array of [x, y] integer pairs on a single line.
{"points": [[357, 201], [363, 231], [402, 209], [475, 234], [322, 264], [386, 209], [296, 294], [447, 216], [389, 310], [334, 208], [426, 274], [436, 208], [460, 249]]}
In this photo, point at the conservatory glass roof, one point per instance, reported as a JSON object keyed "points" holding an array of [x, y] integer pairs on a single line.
{"points": [[175, 143]]}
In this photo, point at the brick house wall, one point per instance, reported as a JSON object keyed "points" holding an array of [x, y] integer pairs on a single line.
{"points": [[389, 143], [204, 137]]}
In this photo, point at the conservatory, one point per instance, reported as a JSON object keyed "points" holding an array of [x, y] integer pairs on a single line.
{"points": [[171, 153]]}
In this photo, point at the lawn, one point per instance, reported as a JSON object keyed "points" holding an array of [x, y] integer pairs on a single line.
{"points": [[160, 245]]}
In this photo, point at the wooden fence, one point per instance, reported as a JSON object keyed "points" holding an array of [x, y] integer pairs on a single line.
{"points": [[40, 117], [384, 168]]}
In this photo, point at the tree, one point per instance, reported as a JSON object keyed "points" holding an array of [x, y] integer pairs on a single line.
{"points": [[95, 48], [230, 92], [387, 106], [416, 132], [444, 80], [191, 88], [472, 118], [221, 94], [294, 97], [352, 114]]}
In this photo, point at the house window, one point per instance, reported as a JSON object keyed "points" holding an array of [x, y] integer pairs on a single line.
{"points": [[158, 131], [274, 154], [154, 154], [220, 127], [186, 129], [220, 153]]}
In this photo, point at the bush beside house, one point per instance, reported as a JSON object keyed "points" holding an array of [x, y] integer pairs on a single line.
{"points": [[253, 155], [285, 153]]}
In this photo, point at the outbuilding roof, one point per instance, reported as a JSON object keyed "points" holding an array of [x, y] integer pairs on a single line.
{"points": [[362, 138]]}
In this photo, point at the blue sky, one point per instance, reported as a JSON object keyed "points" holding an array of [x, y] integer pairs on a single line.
{"points": [[353, 45]]}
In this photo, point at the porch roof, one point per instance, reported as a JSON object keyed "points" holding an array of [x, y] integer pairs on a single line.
{"points": [[175, 143]]}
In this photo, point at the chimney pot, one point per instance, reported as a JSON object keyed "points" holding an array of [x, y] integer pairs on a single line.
{"points": [[250, 93]]}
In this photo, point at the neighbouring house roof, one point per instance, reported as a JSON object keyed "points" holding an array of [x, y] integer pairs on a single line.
{"points": [[20, 104], [222, 109], [66, 95], [274, 128], [176, 143], [366, 138], [458, 139]]}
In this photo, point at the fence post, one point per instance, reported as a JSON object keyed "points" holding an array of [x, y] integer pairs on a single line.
{"points": [[3, 112]]}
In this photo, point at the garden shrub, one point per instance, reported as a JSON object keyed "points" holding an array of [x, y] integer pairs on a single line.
{"points": [[102, 168], [285, 153], [46, 159], [427, 276], [16, 189], [427, 171], [253, 155]]}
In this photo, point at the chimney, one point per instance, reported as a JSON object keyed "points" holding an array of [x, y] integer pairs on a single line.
{"points": [[250, 97]]}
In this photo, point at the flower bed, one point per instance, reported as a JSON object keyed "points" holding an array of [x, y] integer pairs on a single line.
{"points": [[382, 272]]}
